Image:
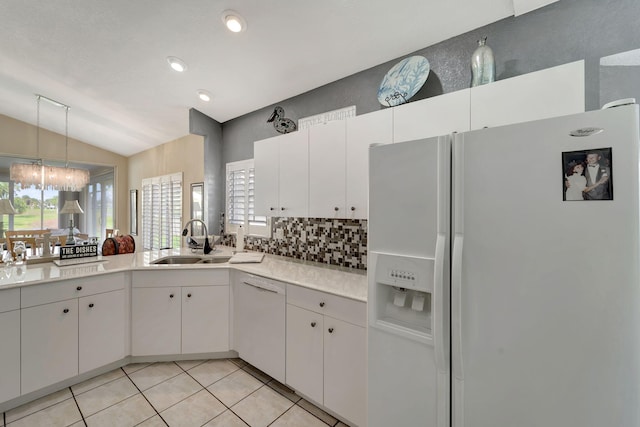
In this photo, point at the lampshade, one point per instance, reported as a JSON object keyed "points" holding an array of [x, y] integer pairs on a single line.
{"points": [[6, 208], [71, 207]]}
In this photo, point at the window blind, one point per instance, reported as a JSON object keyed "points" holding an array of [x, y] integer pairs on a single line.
{"points": [[162, 212], [240, 200]]}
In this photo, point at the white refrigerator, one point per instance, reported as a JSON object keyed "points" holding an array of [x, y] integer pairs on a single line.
{"points": [[504, 284]]}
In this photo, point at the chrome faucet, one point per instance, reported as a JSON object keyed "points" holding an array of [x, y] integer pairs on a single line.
{"points": [[192, 243]]}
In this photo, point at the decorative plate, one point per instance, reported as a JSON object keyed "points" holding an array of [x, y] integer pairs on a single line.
{"points": [[403, 81]]}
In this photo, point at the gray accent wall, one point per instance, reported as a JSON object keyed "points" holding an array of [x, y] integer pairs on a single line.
{"points": [[214, 169], [565, 31]]}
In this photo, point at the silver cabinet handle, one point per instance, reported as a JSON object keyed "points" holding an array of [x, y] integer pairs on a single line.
{"points": [[260, 288]]}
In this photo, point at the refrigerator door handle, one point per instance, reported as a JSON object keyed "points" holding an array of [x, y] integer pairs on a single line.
{"points": [[456, 306], [438, 305]]}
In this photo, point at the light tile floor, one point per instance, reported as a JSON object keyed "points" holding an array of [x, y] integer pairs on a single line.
{"points": [[211, 393]]}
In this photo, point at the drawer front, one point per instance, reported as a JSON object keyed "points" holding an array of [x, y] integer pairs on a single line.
{"points": [[332, 305], [75, 288], [182, 277], [9, 299]]}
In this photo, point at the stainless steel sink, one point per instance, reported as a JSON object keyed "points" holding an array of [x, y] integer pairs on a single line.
{"points": [[214, 260], [178, 260], [186, 259]]}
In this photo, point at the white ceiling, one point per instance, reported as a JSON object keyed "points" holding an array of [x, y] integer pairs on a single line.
{"points": [[107, 59]]}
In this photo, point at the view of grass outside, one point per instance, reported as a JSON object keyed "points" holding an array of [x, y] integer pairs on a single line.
{"points": [[30, 219]]}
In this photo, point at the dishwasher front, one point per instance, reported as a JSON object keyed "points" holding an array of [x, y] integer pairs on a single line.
{"points": [[259, 307]]}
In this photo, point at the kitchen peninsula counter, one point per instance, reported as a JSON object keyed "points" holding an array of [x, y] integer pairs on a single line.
{"points": [[335, 280]]}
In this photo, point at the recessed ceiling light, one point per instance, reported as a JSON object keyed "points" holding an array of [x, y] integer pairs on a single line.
{"points": [[204, 95], [234, 21], [177, 64]]}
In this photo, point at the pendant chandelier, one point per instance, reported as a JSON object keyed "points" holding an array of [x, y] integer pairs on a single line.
{"points": [[50, 177]]}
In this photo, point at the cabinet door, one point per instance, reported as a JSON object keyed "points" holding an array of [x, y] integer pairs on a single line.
{"points": [[294, 174], [345, 369], [362, 131], [205, 319], [49, 344], [10, 355], [439, 115], [327, 170], [101, 326], [267, 171], [305, 352], [553, 92], [155, 321]]}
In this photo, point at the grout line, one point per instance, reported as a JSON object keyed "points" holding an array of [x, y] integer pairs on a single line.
{"points": [[78, 406], [306, 410], [145, 397]]}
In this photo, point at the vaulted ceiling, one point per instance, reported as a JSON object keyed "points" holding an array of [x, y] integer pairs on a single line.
{"points": [[107, 60]]}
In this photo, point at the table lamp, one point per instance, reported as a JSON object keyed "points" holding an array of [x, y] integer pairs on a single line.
{"points": [[6, 208], [71, 207]]}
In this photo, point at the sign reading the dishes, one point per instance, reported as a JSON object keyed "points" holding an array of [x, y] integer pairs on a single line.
{"points": [[78, 251], [329, 116]]}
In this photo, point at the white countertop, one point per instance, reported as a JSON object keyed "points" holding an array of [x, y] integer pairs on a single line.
{"points": [[340, 281]]}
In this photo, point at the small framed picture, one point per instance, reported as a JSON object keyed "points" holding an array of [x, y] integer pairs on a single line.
{"points": [[587, 175]]}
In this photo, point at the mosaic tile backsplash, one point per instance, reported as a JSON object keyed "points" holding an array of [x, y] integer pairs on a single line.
{"points": [[340, 242]]}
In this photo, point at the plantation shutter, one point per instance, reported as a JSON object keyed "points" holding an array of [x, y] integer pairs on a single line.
{"points": [[162, 212]]}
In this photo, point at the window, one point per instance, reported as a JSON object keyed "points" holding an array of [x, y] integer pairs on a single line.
{"points": [[162, 212], [100, 204], [240, 200]]}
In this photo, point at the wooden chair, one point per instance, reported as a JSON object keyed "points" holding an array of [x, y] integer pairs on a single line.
{"points": [[29, 237]]}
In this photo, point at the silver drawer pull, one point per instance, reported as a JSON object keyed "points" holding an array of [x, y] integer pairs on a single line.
{"points": [[260, 288]]}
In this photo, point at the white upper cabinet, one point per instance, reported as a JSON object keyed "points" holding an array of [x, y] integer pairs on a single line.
{"points": [[294, 174], [524, 6], [282, 175], [439, 115], [266, 158], [327, 169], [362, 131], [553, 92]]}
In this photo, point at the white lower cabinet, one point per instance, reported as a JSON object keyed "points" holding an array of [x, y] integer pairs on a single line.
{"points": [[58, 326], [205, 319], [155, 321], [10, 341], [305, 357], [327, 351], [345, 372], [49, 344], [167, 318], [100, 329]]}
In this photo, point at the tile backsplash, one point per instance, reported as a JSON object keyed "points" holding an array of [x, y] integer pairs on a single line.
{"points": [[340, 242]]}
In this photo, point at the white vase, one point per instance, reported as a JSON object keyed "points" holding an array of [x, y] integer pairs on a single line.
{"points": [[483, 64]]}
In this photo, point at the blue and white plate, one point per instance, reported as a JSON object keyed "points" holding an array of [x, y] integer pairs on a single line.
{"points": [[403, 81]]}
